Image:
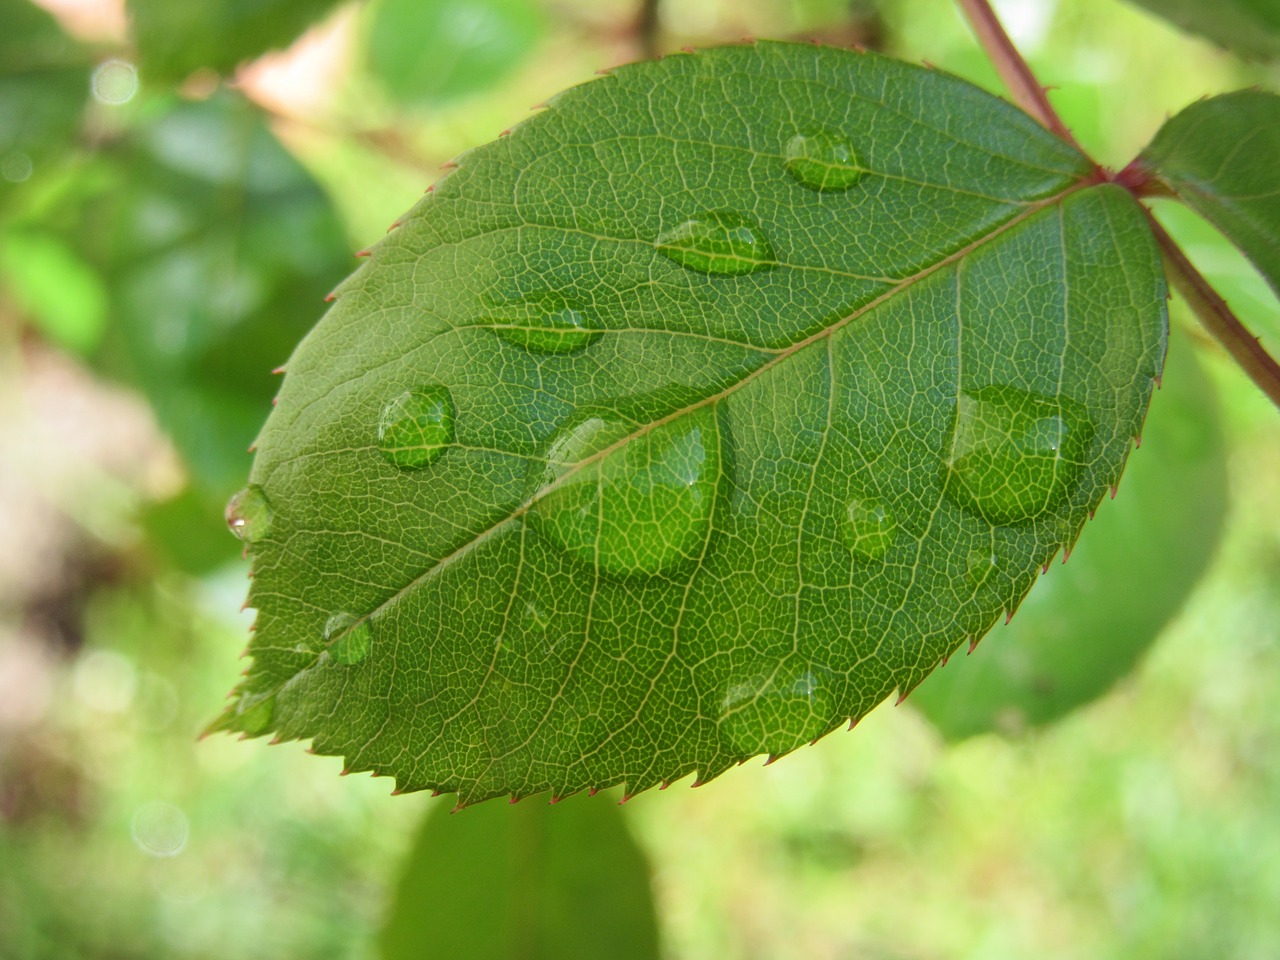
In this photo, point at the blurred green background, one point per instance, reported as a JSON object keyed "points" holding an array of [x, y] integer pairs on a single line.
{"points": [[169, 225]]}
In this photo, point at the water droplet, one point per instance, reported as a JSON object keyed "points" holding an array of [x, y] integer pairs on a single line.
{"points": [[254, 715], [416, 426], [249, 514], [720, 242], [545, 323], [348, 638], [1015, 454], [979, 566], [774, 709], [646, 505], [822, 160], [868, 528]]}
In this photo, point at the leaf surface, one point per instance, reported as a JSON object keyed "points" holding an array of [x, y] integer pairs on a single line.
{"points": [[537, 882], [632, 452], [1087, 623], [1219, 157], [1248, 27]]}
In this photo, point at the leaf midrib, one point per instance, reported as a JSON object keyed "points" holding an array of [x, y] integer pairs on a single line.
{"points": [[484, 535]]}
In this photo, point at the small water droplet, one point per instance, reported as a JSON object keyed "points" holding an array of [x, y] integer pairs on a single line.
{"points": [[1015, 454], [254, 715], [348, 638], [416, 427], [249, 514], [642, 508], [979, 566], [719, 242], [823, 160], [869, 528], [774, 709], [545, 323]]}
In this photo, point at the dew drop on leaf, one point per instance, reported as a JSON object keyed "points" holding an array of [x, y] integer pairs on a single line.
{"points": [[774, 709], [718, 242], [868, 528], [1015, 454], [822, 160], [545, 324], [249, 514], [643, 507], [416, 426], [347, 637], [255, 715], [979, 566]]}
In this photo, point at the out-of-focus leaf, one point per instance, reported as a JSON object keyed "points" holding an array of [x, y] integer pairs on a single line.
{"points": [[427, 51], [1219, 157], [532, 883], [1087, 623], [188, 531], [44, 85], [216, 245], [664, 432], [1249, 27], [55, 289], [177, 37]]}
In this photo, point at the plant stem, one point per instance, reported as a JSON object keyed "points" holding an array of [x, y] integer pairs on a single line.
{"points": [[1017, 76], [647, 28], [1216, 317]]}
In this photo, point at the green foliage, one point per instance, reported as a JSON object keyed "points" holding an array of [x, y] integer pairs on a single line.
{"points": [[1219, 157], [634, 559], [176, 39], [430, 51], [1087, 623], [537, 882], [44, 84], [213, 242], [1249, 27]]}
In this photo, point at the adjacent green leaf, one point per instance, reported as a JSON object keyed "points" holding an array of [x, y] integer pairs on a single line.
{"points": [[56, 290], [44, 85], [428, 51], [536, 882], [1219, 157], [745, 512], [1249, 27], [176, 38], [217, 247], [1088, 622]]}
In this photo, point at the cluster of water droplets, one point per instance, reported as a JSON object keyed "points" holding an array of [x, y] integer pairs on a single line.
{"points": [[631, 499]]}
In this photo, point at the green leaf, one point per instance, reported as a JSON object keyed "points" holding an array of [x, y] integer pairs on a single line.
{"points": [[429, 51], [1249, 27], [537, 882], [1219, 157], [176, 39], [215, 244], [743, 510], [44, 86], [61, 294], [1088, 622]]}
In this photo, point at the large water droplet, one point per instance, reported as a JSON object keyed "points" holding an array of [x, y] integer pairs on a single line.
{"points": [[868, 528], [774, 709], [249, 514], [416, 426], [1015, 454], [254, 714], [823, 160], [545, 323], [347, 637], [719, 241], [644, 506]]}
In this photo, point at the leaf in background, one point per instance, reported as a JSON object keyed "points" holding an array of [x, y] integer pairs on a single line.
{"points": [[536, 882], [177, 37], [1219, 157], [1248, 27], [56, 290], [665, 430], [44, 86], [1088, 622], [215, 243], [428, 51]]}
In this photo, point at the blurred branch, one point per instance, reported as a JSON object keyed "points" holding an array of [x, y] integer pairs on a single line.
{"points": [[1216, 317], [646, 28]]}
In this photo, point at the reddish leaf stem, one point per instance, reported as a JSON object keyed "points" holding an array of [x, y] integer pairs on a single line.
{"points": [[1017, 76], [1216, 317]]}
